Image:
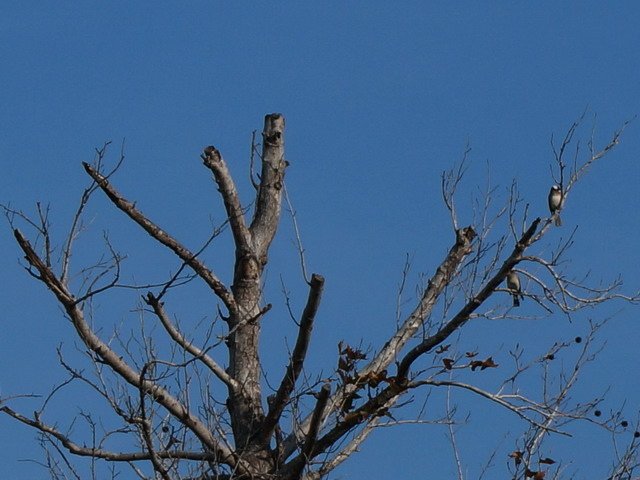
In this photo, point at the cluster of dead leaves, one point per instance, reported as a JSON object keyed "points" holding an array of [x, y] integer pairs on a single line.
{"points": [[528, 473], [474, 364], [347, 370], [347, 362]]}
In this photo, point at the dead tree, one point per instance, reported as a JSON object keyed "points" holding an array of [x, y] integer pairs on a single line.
{"points": [[171, 406]]}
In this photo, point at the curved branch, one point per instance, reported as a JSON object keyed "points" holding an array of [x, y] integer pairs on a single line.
{"points": [[490, 396], [76, 449], [119, 366]]}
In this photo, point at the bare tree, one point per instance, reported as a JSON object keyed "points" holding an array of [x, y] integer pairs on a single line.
{"points": [[169, 402]]}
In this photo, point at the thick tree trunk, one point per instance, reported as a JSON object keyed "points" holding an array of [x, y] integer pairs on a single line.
{"points": [[245, 407]]}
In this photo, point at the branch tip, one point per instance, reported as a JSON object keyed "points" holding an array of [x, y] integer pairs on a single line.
{"points": [[210, 152]]}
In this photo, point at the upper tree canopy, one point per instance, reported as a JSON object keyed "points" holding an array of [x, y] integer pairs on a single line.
{"points": [[198, 402]]}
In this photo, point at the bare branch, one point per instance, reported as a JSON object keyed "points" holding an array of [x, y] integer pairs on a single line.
{"points": [[449, 184], [252, 155], [76, 224], [296, 466], [145, 426], [269, 196], [214, 162], [497, 398], [452, 436], [345, 452], [577, 171], [463, 315], [444, 273], [82, 451], [294, 220], [115, 361], [164, 238], [443, 276], [174, 333], [294, 368]]}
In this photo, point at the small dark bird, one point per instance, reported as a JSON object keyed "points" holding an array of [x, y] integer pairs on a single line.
{"points": [[513, 284], [555, 202]]}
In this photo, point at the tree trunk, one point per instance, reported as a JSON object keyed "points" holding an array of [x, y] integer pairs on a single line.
{"points": [[245, 407]]}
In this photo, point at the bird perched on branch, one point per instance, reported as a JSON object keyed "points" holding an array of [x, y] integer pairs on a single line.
{"points": [[555, 202], [513, 284]]}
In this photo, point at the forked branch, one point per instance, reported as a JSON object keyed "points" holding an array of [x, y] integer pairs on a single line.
{"points": [[116, 362], [465, 313]]}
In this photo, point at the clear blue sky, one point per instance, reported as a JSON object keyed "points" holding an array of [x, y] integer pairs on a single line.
{"points": [[379, 99]]}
